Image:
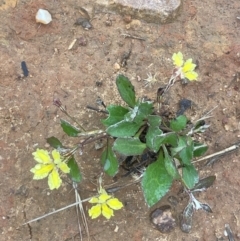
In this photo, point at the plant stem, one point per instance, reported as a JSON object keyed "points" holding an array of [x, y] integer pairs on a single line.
{"points": [[74, 120], [140, 130], [59, 104], [220, 153], [58, 210]]}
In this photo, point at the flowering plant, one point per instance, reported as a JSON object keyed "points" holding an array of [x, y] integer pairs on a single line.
{"points": [[160, 144], [49, 167], [105, 204], [184, 69]]}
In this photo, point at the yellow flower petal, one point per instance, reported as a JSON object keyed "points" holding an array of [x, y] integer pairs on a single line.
{"points": [[42, 156], [114, 203], [192, 75], [103, 197], [54, 180], [188, 66], [56, 157], [41, 171], [64, 167], [94, 200], [95, 211], [177, 59], [106, 211]]}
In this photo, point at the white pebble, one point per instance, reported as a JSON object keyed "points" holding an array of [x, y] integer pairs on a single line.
{"points": [[117, 66], [43, 16]]}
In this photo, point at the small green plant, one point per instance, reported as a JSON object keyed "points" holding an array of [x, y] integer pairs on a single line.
{"points": [[135, 130]]}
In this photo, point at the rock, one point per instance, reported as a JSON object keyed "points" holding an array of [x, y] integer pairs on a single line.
{"points": [[43, 16], [84, 22], [127, 18], [162, 219], [153, 11], [117, 66], [82, 41], [134, 24]]}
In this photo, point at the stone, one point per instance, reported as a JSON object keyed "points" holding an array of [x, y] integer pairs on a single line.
{"points": [[43, 16], [117, 66], [152, 11], [162, 218]]}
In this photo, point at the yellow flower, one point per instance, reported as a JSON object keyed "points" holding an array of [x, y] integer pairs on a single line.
{"points": [[105, 204], [178, 59], [185, 69], [48, 167]]}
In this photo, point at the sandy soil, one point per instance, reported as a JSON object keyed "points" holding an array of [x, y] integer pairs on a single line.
{"points": [[207, 31]]}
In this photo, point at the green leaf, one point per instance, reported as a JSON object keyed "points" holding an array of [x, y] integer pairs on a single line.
{"points": [[54, 142], [189, 176], [74, 170], [170, 165], [154, 120], [204, 183], [184, 149], [116, 114], [69, 129], [199, 149], [129, 146], [181, 144], [156, 182], [186, 153], [140, 112], [170, 139], [126, 90], [154, 139], [123, 129], [129, 117], [179, 123], [109, 161]]}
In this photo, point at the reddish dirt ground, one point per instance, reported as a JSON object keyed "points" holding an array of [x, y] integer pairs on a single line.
{"points": [[207, 31]]}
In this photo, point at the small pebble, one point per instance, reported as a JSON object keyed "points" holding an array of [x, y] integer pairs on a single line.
{"points": [[82, 41], [108, 23], [162, 219], [127, 19], [84, 22], [117, 66], [43, 16], [134, 24]]}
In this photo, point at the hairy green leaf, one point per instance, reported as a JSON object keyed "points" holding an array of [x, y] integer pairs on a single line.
{"points": [[154, 120], [189, 176], [129, 146], [54, 142], [140, 112], [170, 165], [126, 90], [181, 144], [170, 139], [179, 123], [154, 139], [123, 129], [156, 181], [186, 153], [69, 129], [116, 114], [199, 149], [109, 161], [75, 173]]}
